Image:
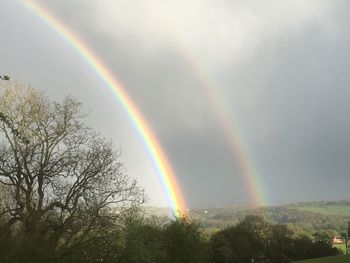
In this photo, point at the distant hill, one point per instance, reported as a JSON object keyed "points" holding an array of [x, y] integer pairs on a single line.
{"points": [[325, 207], [328, 216]]}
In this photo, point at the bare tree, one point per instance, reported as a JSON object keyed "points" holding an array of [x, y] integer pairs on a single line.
{"points": [[66, 182], [5, 119]]}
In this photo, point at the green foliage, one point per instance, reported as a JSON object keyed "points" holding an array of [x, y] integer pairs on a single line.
{"points": [[22, 250], [304, 247], [185, 243], [322, 236], [140, 241], [230, 245], [304, 218], [341, 248], [136, 239], [336, 259], [327, 209], [249, 240], [254, 239]]}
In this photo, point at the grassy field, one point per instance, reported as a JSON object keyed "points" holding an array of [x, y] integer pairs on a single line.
{"points": [[327, 209], [336, 259]]}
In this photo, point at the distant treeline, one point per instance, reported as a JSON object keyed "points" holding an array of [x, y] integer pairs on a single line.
{"points": [[330, 216]]}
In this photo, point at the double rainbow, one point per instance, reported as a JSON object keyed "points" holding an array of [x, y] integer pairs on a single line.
{"points": [[162, 165], [252, 179]]}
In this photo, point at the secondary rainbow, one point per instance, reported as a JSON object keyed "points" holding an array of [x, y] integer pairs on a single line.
{"points": [[239, 146], [252, 178], [157, 155]]}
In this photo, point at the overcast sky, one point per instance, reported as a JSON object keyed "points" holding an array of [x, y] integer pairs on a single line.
{"points": [[279, 70]]}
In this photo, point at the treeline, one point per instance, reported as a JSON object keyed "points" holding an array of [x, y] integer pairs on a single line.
{"points": [[136, 239], [254, 239], [306, 221], [132, 239]]}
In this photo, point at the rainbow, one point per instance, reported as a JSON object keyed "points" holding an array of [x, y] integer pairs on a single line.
{"points": [[252, 179], [164, 170], [239, 146]]}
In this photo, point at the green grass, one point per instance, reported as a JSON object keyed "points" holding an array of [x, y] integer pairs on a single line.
{"points": [[341, 247], [336, 259], [327, 209]]}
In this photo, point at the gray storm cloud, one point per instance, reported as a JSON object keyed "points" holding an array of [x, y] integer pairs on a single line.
{"points": [[279, 66]]}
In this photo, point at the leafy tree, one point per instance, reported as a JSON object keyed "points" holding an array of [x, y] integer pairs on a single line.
{"points": [[322, 249], [248, 241], [232, 245], [345, 238], [304, 248], [280, 239], [140, 241], [256, 240], [301, 247], [322, 236], [63, 183], [185, 243]]}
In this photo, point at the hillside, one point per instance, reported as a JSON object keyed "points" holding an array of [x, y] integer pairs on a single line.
{"points": [[329, 216], [325, 207]]}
